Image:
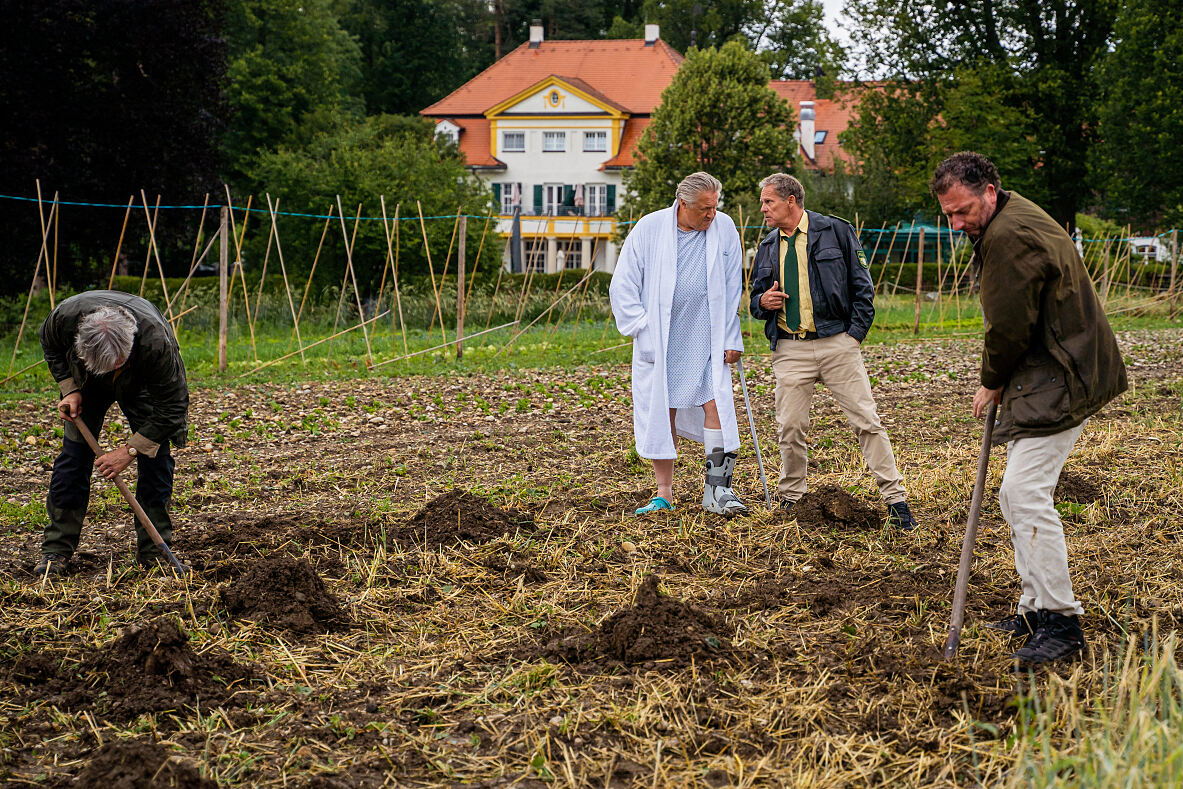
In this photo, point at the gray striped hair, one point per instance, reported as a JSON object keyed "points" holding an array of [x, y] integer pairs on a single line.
{"points": [[695, 184], [104, 339], [785, 186]]}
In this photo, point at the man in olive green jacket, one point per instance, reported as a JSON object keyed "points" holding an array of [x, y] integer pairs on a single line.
{"points": [[1051, 361], [106, 347]]}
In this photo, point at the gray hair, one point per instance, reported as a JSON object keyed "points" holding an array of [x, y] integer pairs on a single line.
{"points": [[104, 339], [695, 184], [785, 186]]}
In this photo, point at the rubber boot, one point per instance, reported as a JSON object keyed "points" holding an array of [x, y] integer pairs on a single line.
{"points": [[717, 495], [64, 530], [147, 553]]}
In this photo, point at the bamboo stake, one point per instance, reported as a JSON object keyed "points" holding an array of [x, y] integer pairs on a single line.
{"points": [[528, 280], [583, 293], [559, 279], [447, 260], [155, 251], [345, 273], [878, 238], [743, 251], [22, 371], [903, 261], [148, 254], [919, 288], [353, 276], [460, 283], [355, 327], [1174, 269], [496, 290], [45, 236], [477, 262], [315, 258], [941, 272], [28, 301], [544, 312], [895, 231], [119, 246], [443, 345], [431, 269], [195, 261], [238, 241], [223, 290], [57, 224], [266, 258], [394, 271], [287, 288]]}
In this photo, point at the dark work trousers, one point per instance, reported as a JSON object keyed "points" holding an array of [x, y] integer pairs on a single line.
{"points": [[69, 485]]}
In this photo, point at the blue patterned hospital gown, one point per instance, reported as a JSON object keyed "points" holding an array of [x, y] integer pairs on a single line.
{"points": [[688, 357]]}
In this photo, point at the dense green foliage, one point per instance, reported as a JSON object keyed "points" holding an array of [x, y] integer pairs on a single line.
{"points": [[718, 115]]}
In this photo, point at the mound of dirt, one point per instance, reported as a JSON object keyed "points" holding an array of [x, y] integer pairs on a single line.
{"points": [[149, 668], [1076, 488], [138, 765], [834, 507], [285, 592], [460, 516], [656, 628]]}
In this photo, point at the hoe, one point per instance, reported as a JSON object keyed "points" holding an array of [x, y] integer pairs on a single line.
{"points": [[131, 500]]}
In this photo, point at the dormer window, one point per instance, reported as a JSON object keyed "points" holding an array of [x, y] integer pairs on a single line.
{"points": [[448, 131], [554, 141], [513, 142], [595, 142]]}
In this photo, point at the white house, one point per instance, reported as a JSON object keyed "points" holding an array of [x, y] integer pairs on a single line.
{"points": [[552, 125]]}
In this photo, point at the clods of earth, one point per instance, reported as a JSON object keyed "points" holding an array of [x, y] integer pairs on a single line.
{"points": [[136, 765], [285, 592], [831, 506], [460, 516]]}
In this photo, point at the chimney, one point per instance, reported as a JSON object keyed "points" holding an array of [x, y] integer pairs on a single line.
{"points": [[652, 33], [535, 33], [807, 124]]}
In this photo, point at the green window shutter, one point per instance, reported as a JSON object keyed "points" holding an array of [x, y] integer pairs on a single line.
{"points": [[611, 199], [497, 195], [568, 195], [538, 198]]}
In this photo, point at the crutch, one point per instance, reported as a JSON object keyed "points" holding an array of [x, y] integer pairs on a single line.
{"points": [[971, 536], [755, 440], [145, 521]]}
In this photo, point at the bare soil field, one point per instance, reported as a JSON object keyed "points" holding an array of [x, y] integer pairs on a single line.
{"points": [[438, 581]]}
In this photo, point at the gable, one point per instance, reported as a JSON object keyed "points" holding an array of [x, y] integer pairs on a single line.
{"points": [[556, 96]]}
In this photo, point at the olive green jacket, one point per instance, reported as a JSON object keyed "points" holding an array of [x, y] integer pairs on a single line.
{"points": [[152, 388], [1048, 345]]}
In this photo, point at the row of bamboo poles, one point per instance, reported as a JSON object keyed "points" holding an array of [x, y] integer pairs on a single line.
{"points": [[950, 254]]}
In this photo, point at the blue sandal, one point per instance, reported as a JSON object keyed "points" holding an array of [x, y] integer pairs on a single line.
{"points": [[656, 504]]}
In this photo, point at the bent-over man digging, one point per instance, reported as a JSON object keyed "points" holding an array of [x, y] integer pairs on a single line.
{"points": [[105, 347]]}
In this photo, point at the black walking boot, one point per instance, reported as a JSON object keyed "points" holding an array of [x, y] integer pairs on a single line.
{"points": [[1017, 626], [51, 564], [1058, 637], [900, 517]]}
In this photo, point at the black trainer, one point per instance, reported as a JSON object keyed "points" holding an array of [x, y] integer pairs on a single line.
{"points": [[1058, 637], [785, 505], [51, 564], [900, 517], [1018, 626]]}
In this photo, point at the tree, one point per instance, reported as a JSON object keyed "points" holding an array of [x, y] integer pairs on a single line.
{"points": [[399, 158], [687, 23], [294, 71], [103, 98], [796, 44], [902, 130], [1049, 49], [1141, 117], [717, 115], [406, 67]]}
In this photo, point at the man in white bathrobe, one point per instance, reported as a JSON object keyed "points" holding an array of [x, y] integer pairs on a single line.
{"points": [[676, 292]]}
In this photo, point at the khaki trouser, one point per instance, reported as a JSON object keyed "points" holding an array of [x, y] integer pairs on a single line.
{"points": [[837, 362], [1041, 556]]}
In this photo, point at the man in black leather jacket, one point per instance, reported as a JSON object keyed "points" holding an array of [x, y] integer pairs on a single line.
{"points": [[811, 287]]}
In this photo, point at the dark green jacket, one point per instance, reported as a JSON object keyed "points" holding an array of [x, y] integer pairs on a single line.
{"points": [[1048, 345], [153, 384]]}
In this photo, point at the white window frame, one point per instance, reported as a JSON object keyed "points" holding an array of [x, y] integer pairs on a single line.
{"points": [[552, 198], [595, 199], [600, 136], [507, 205], [505, 135], [572, 251], [550, 137]]}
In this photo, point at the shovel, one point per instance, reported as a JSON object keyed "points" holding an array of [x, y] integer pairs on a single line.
{"points": [[135, 505], [971, 536]]}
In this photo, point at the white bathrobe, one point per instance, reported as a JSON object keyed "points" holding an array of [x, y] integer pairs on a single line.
{"points": [[642, 294]]}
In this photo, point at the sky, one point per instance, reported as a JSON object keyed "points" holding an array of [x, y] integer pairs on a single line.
{"points": [[833, 14]]}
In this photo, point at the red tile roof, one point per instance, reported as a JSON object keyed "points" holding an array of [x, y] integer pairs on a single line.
{"points": [[626, 71], [832, 115], [633, 129]]}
